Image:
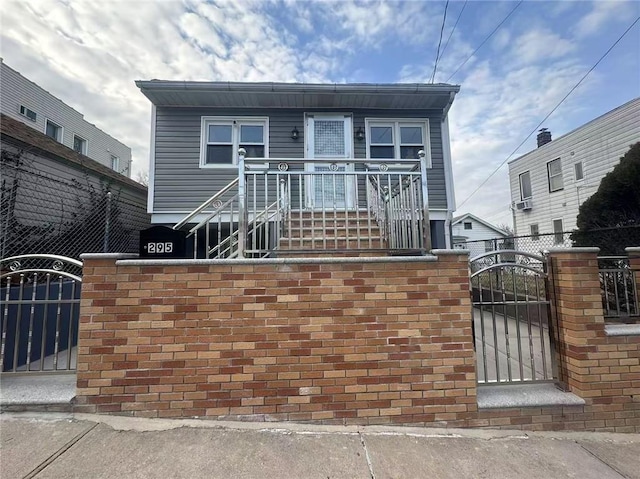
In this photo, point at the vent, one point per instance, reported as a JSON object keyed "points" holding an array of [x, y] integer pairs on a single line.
{"points": [[524, 205]]}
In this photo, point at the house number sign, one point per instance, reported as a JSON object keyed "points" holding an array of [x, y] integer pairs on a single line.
{"points": [[160, 247]]}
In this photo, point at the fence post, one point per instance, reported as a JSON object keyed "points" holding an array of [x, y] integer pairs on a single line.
{"points": [[107, 224], [425, 200], [242, 204]]}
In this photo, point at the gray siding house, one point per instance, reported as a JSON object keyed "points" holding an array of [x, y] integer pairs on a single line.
{"points": [[325, 143]]}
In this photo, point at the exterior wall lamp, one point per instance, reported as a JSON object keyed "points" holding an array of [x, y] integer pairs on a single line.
{"points": [[360, 134], [294, 133]]}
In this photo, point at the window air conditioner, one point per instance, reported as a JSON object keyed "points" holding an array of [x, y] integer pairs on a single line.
{"points": [[524, 205]]}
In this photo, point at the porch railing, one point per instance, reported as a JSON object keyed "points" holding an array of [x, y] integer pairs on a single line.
{"points": [[302, 205]]}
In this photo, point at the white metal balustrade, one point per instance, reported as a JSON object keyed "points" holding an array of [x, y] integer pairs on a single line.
{"points": [[282, 206]]}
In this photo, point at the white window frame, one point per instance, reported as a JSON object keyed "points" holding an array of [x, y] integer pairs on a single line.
{"points": [[235, 122], [534, 236], [556, 233], [25, 114], [522, 197], [60, 127], [554, 176], [86, 144], [117, 158], [581, 170], [395, 124]]}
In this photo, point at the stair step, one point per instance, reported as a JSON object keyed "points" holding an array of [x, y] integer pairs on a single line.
{"points": [[331, 243]]}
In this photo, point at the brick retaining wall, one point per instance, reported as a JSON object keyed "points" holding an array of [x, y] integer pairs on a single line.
{"points": [[368, 341]]}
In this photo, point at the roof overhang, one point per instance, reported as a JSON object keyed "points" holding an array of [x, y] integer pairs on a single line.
{"points": [[415, 96]]}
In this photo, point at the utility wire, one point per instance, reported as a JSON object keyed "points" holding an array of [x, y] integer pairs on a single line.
{"points": [[552, 111], [453, 29], [485, 40], [435, 64]]}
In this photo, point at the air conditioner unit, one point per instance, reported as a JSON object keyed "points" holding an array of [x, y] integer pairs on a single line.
{"points": [[524, 205]]}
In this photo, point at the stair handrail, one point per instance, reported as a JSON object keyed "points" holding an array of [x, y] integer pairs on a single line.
{"points": [[207, 203]]}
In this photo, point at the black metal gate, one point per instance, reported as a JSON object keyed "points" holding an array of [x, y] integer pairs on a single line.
{"points": [[39, 313], [512, 318]]}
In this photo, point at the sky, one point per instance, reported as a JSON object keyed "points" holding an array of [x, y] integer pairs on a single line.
{"points": [[89, 53]]}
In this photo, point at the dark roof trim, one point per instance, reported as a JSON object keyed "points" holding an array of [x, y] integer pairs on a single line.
{"points": [[16, 132]]}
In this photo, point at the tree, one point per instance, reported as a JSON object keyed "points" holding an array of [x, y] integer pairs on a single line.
{"points": [[142, 177], [507, 229], [610, 218]]}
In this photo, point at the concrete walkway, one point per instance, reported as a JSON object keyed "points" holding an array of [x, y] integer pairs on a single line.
{"points": [[49, 445]]}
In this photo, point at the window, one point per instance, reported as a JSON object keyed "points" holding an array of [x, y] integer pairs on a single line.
{"points": [[397, 139], [535, 232], [222, 137], [489, 246], [525, 185], [53, 130], [115, 163], [554, 172], [24, 111], [468, 225], [80, 144], [558, 237], [578, 171]]}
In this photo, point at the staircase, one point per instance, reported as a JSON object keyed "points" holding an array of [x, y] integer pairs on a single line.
{"points": [[343, 233]]}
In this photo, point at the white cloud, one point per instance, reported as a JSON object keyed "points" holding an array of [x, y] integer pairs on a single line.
{"points": [[603, 12], [541, 44]]}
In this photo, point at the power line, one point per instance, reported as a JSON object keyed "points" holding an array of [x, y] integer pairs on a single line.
{"points": [[552, 111], [453, 29], [435, 64], [485, 40]]}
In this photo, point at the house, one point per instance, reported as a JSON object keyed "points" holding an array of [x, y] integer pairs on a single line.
{"points": [[549, 184], [475, 234], [321, 166], [54, 200], [23, 100]]}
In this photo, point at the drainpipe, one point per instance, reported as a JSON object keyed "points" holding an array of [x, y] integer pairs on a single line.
{"points": [[425, 201], [447, 230]]}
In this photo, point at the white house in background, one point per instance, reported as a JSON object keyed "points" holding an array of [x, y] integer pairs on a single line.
{"points": [[25, 101], [549, 184], [475, 234]]}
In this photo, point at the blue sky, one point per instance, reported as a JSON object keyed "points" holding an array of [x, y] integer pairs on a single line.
{"points": [[88, 53]]}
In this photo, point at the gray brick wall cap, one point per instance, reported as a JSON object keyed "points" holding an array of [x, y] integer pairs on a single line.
{"points": [[588, 249], [276, 261], [115, 256]]}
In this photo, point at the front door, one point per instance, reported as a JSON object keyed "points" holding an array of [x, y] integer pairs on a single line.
{"points": [[329, 138]]}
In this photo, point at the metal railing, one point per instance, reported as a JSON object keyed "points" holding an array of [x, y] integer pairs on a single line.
{"points": [[298, 205], [619, 289], [39, 311], [511, 318]]}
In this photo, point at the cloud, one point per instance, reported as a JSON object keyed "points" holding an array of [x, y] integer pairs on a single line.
{"points": [[541, 44], [603, 12]]}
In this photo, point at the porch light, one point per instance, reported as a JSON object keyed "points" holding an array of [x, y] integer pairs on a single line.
{"points": [[360, 134], [294, 133]]}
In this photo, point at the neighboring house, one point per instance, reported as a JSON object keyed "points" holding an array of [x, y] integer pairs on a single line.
{"points": [[355, 129], [475, 234], [54, 200], [27, 102], [549, 184]]}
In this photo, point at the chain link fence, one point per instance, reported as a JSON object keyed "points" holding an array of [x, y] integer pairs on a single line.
{"points": [[47, 209], [611, 241]]}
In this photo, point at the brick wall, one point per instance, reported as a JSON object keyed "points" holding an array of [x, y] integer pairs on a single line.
{"points": [[358, 341], [339, 342]]}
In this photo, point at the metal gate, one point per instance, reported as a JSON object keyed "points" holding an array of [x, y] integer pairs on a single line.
{"points": [[39, 313], [511, 318]]}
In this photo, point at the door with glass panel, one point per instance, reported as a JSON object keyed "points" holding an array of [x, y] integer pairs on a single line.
{"points": [[329, 137]]}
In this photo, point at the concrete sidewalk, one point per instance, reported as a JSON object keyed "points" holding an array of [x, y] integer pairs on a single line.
{"points": [[56, 445]]}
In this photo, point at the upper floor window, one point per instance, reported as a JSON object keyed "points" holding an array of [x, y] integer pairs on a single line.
{"points": [[53, 130], [24, 111], [222, 137], [525, 185], [80, 144], [115, 163], [554, 173], [577, 168], [468, 225], [401, 139]]}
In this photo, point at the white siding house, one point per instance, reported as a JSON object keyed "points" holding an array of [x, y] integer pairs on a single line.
{"points": [[549, 184], [27, 102], [475, 234]]}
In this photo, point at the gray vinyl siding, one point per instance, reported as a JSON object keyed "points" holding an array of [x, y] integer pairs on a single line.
{"points": [[180, 184], [17, 90]]}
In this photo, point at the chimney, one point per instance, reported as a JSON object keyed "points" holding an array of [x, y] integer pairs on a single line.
{"points": [[544, 137]]}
